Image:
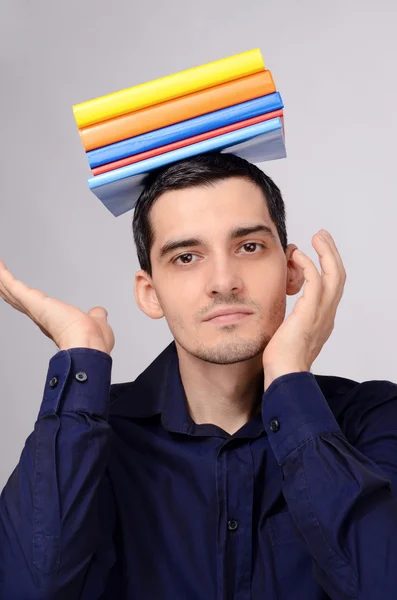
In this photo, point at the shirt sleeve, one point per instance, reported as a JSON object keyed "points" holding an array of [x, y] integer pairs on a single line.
{"points": [[340, 499], [49, 526]]}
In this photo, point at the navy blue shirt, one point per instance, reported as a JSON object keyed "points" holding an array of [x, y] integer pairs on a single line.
{"points": [[118, 494]]}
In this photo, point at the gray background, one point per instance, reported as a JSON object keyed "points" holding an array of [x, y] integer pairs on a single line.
{"points": [[334, 64]]}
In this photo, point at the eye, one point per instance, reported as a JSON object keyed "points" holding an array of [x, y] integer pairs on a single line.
{"points": [[187, 255], [250, 247]]}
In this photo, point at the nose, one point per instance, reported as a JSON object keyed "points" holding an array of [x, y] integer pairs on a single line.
{"points": [[224, 279]]}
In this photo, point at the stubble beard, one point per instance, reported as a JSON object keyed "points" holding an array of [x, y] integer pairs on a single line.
{"points": [[233, 348], [231, 352]]}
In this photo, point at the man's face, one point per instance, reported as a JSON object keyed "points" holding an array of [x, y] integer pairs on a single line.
{"points": [[214, 264]]}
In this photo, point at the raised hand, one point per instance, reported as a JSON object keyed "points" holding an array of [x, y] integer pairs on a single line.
{"points": [[300, 338], [65, 325]]}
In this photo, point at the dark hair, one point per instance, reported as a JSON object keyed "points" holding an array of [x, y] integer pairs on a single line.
{"points": [[200, 170]]}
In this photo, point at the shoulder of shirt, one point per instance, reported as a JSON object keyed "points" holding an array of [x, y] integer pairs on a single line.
{"points": [[352, 401], [133, 399]]}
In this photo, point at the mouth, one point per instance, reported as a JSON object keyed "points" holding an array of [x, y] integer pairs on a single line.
{"points": [[228, 318]]}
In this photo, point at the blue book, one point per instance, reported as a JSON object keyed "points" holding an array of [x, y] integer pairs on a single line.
{"points": [[119, 189], [184, 129]]}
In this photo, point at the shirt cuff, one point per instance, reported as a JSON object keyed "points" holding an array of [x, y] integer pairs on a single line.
{"points": [[78, 379], [295, 410]]}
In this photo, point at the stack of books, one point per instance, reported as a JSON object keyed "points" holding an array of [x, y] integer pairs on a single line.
{"points": [[230, 105]]}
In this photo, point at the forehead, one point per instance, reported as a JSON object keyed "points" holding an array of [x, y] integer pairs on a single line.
{"points": [[208, 209]]}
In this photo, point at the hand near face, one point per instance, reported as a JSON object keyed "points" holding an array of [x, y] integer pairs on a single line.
{"points": [[66, 325], [300, 338]]}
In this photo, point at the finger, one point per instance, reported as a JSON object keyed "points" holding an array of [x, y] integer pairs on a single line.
{"points": [[331, 242], [22, 297], [98, 312], [332, 276], [12, 302], [6, 299], [4, 294], [312, 289]]}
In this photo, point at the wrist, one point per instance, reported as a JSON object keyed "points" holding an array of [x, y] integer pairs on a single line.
{"points": [[272, 373], [90, 343]]}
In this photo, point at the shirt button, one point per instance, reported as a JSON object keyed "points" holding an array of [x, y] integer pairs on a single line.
{"points": [[54, 381], [81, 376], [232, 525], [274, 425]]}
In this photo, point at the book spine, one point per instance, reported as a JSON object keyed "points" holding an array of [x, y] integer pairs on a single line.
{"points": [[183, 130], [177, 110], [217, 143], [167, 88], [185, 142]]}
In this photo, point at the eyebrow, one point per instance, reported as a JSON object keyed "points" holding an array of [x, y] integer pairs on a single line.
{"points": [[235, 233]]}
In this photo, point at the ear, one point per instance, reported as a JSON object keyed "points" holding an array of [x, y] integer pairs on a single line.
{"points": [[146, 296], [295, 277]]}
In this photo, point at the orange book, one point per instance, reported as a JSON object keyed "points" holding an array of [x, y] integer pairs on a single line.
{"points": [[186, 142], [177, 110]]}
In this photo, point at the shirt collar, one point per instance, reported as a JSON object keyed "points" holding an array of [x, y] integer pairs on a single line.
{"points": [[159, 390], [144, 397]]}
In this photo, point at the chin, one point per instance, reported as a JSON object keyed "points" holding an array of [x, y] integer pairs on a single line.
{"points": [[231, 352]]}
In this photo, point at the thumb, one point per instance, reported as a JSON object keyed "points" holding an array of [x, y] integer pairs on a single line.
{"points": [[98, 312]]}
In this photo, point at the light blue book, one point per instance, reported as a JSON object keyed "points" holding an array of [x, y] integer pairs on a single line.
{"points": [[120, 189], [184, 129]]}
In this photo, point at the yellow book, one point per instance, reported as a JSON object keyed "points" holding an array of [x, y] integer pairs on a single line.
{"points": [[167, 88]]}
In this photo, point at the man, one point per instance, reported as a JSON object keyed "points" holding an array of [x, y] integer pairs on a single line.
{"points": [[226, 470]]}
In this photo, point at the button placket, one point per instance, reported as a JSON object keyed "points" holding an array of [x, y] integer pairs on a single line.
{"points": [[238, 527], [232, 525]]}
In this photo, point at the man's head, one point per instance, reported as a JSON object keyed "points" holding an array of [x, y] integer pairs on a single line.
{"points": [[210, 234]]}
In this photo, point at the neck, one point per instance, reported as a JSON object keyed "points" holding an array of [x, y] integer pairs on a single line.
{"points": [[224, 395]]}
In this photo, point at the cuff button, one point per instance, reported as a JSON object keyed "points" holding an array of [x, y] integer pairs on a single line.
{"points": [[274, 425], [54, 382], [81, 376]]}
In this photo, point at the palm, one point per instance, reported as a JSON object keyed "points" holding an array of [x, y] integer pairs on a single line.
{"points": [[59, 321]]}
